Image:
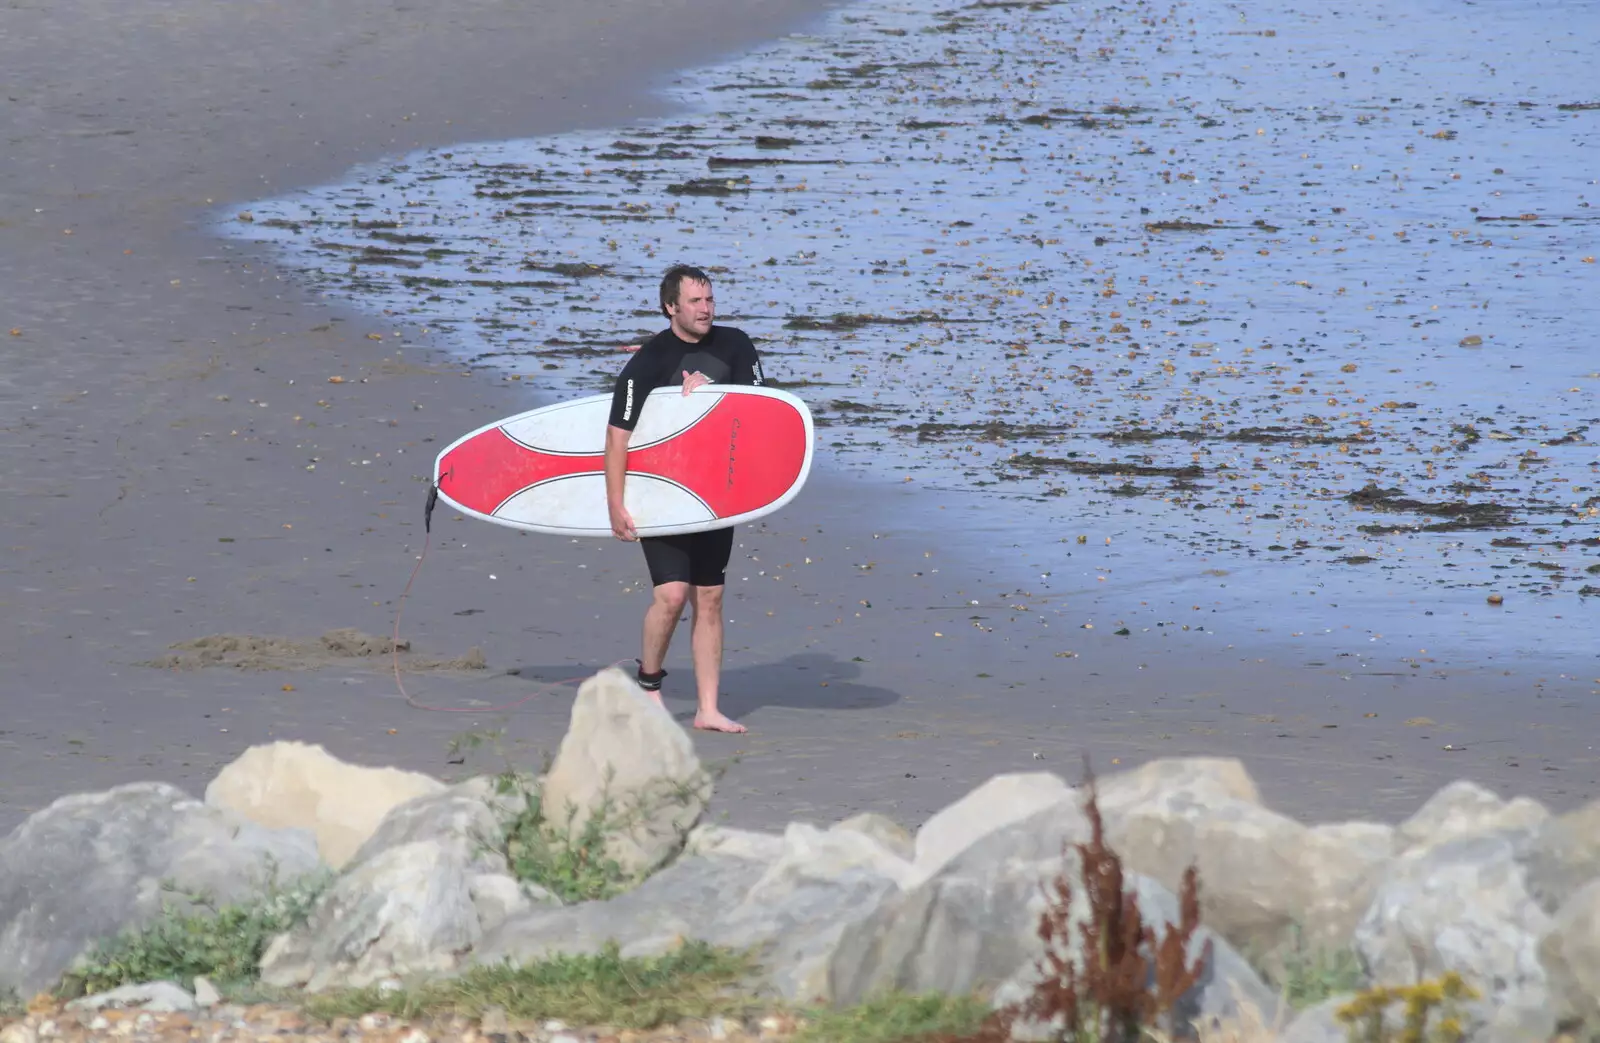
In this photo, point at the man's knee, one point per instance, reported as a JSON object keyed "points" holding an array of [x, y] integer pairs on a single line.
{"points": [[671, 597], [708, 599]]}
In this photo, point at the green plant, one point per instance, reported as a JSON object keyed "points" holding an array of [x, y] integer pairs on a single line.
{"points": [[895, 1017], [554, 849], [695, 980], [571, 863], [11, 1005], [197, 937], [1366, 1017], [1308, 974], [571, 858]]}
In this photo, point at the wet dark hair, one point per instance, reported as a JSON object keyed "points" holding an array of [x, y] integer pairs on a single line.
{"points": [[673, 281]]}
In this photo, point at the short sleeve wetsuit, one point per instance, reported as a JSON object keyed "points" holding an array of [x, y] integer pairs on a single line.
{"points": [[726, 356]]}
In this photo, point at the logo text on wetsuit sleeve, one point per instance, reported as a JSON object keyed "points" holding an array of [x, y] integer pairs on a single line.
{"points": [[627, 405]]}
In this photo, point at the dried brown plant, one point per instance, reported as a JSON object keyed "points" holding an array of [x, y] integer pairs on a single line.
{"points": [[1117, 978]]}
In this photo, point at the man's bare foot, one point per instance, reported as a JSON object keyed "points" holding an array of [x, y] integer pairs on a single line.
{"points": [[717, 722]]}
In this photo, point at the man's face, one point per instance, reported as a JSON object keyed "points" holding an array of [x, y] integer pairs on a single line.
{"points": [[692, 315]]}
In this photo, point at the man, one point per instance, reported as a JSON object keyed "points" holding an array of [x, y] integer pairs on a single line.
{"points": [[689, 569]]}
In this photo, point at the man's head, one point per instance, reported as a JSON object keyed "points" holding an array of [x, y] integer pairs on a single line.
{"points": [[686, 301]]}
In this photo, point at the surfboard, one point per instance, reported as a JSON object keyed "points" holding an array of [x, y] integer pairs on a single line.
{"points": [[722, 455]]}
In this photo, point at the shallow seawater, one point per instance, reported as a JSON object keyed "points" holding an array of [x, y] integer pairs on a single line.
{"points": [[1290, 313]]}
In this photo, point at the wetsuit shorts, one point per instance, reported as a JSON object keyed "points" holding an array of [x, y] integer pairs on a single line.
{"points": [[696, 558]]}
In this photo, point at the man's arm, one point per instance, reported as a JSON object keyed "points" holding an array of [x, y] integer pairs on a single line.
{"points": [[637, 379], [616, 472], [747, 365]]}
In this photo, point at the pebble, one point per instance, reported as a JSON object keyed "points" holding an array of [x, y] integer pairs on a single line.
{"points": [[205, 993], [228, 1023]]}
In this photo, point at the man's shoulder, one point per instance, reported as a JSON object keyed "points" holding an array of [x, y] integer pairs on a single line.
{"points": [[732, 336], [652, 352], [660, 342]]}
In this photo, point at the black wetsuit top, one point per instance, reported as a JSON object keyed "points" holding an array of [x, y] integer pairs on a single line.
{"points": [[725, 355]]}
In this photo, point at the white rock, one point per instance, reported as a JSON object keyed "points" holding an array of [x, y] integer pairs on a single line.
{"points": [[292, 784], [1195, 779], [814, 854], [1464, 809], [1249, 860], [885, 830], [624, 747], [163, 997], [91, 865], [996, 804], [1564, 855], [734, 843], [1319, 1023], [405, 911], [205, 993], [498, 897], [1340, 865], [1463, 905], [1570, 953], [19, 1032], [973, 927]]}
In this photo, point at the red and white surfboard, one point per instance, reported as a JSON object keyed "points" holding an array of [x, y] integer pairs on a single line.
{"points": [[719, 456]]}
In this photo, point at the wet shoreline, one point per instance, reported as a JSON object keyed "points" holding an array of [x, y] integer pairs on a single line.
{"points": [[182, 463], [1242, 303]]}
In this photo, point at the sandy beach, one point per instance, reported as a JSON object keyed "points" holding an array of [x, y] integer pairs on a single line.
{"points": [[179, 462]]}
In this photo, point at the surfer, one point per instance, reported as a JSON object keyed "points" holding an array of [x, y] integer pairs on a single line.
{"points": [[687, 569]]}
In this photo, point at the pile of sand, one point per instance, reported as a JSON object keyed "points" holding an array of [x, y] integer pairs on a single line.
{"points": [[251, 652]]}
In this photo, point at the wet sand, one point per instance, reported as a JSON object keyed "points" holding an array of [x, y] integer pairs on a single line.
{"points": [[177, 464]]}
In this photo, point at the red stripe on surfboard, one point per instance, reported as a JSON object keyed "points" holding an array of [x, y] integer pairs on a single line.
{"points": [[743, 454]]}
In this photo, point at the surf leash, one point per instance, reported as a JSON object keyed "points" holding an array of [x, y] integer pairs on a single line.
{"points": [[544, 688]]}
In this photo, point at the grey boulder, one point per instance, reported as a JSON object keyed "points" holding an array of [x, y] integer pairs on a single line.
{"points": [[1463, 906], [415, 898], [973, 925], [94, 864], [625, 754], [1563, 856]]}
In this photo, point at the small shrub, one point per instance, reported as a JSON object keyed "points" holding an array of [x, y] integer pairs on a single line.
{"points": [[571, 864], [1367, 1015], [694, 981], [197, 937], [572, 860], [549, 848], [1117, 980], [11, 1005], [1308, 975]]}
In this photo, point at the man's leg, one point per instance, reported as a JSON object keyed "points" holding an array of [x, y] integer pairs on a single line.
{"points": [[660, 620], [708, 575], [706, 639], [668, 560]]}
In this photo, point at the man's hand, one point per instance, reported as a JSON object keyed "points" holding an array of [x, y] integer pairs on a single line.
{"points": [[694, 380], [622, 524]]}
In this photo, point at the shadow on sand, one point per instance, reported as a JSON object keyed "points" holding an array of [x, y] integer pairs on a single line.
{"points": [[806, 681]]}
